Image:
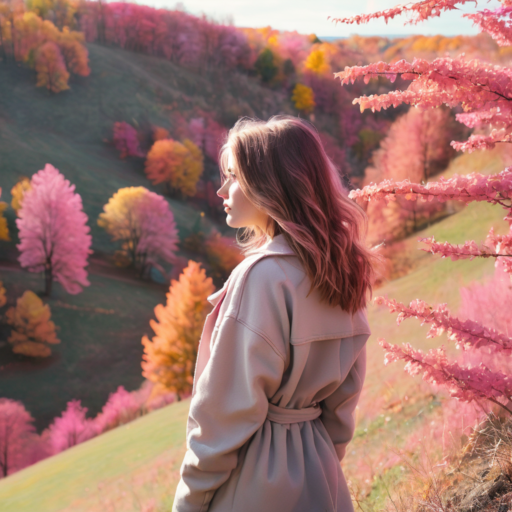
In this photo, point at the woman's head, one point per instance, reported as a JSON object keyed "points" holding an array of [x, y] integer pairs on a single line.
{"points": [[284, 183]]}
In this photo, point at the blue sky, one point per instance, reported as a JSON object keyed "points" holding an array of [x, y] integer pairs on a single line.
{"points": [[310, 16]]}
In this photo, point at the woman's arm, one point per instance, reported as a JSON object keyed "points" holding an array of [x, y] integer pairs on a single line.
{"points": [[229, 405], [338, 408]]}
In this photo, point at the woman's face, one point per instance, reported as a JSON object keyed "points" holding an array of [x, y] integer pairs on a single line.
{"points": [[241, 212]]}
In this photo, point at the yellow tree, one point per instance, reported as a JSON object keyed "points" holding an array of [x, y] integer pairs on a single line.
{"points": [[4, 229], [32, 329], [303, 98], [3, 298], [180, 165], [145, 225], [50, 67], [169, 358], [191, 170], [18, 191], [317, 62]]}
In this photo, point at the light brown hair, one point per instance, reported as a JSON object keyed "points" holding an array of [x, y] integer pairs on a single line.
{"points": [[284, 170]]}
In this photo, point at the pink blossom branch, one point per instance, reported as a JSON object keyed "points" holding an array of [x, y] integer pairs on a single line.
{"points": [[471, 187], [483, 141], [420, 11], [442, 81], [495, 246], [465, 334], [491, 22], [464, 383]]}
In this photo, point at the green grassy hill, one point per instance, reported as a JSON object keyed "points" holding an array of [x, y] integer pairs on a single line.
{"points": [[99, 351], [124, 469]]}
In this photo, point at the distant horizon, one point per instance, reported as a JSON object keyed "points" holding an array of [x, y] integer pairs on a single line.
{"points": [[291, 15]]}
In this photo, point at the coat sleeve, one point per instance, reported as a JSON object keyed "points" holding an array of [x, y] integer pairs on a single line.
{"points": [[229, 406], [339, 407]]}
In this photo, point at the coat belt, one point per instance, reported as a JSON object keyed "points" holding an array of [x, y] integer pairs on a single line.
{"points": [[283, 415]]}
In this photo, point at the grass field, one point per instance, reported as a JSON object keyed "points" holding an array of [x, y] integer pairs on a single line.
{"points": [[128, 467]]}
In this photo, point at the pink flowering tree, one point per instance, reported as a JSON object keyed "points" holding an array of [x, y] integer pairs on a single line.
{"points": [[71, 428], [484, 92], [126, 140], [144, 223], [121, 407], [53, 231], [16, 429]]}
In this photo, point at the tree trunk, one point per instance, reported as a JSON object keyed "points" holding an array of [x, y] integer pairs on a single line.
{"points": [[48, 280]]}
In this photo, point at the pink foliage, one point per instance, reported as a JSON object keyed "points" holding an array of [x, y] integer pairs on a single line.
{"points": [[157, 227], [208, 135], [446, 81], [71, 428], [465, 383], [15, 432], [495, 189], [483, 302], [495, 246], [491, 22], [121, 407], [419, 11], [466, 334], [187, 40], [126, 140], [53, 230]]}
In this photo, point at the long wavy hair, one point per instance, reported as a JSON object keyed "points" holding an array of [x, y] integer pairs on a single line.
{"points": [[284, 170]]}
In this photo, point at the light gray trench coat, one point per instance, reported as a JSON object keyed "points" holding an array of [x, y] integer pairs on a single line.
{"points": [[278, 376]]}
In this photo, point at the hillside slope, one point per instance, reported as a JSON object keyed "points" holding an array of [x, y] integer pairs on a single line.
{"points": [[90, 483], [69, 130]]}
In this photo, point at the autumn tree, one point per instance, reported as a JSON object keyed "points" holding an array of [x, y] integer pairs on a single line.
{"points": [[318, 60], [53, 231], [3, 297], [74, 51], [177, 164], [208, 135], [416, 148], [4, 228], [169, 358], [126, 140], [26, 37], [160, 133], [32, 329], [60, 12], [51, 68], [223, 254], [15, 429], [71, 428], [303, 98], [18, 191], [266, 66], [120, 408], [144, 224]]}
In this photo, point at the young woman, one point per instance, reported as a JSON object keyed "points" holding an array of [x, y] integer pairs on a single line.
{"points": [[282, 355]]}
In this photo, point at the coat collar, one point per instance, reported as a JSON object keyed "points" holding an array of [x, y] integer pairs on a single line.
{"points": [[277, 246]]}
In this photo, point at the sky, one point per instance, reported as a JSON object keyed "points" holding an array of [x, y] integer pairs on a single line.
{"points": [[310, 16]]}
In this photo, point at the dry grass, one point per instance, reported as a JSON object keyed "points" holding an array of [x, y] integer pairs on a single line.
{"points": [[476, 478]]}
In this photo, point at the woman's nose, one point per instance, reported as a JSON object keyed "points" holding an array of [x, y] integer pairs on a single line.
{"points": [[220, 193]]}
